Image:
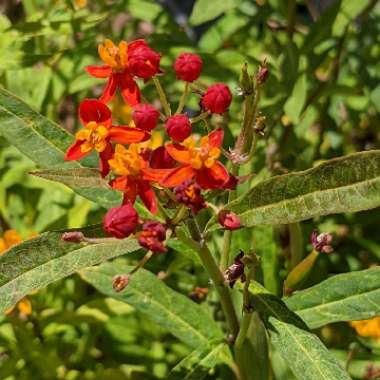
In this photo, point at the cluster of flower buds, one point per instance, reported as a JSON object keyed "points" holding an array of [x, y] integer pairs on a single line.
{"points": [[183, 162], [322, 242]]}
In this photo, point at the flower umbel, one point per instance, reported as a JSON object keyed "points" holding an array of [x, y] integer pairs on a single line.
{"points": [[199, 162]]}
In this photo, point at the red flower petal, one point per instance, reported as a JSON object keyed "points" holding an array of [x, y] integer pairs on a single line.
{"points": [[103, 160], [94, 110], [177, 176], [178, 152], [156, 175], [99, 71], [74, 152], [212, 178], [215, 138], [126, 135], [128, 186], [147, 195], [110, 89], [129, 89]]}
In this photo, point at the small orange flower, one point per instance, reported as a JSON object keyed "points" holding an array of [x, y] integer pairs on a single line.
{"points": [[10, 238], [199, 162], [135, 175], [369, 328], [121, 64], [99, 132]]}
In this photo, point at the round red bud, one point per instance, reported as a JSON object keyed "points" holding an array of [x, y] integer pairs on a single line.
{"points": [[121, 221], [161, 159], [145, 117], [229, 220], [143, 61], [188, 67], [217, 98], [178, 127]]}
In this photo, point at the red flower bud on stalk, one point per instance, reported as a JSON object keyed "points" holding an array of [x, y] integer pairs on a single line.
{"points": [[229, 220], [145, 117], [121, 221], [152, 236], [73, 237], [322, 242], [217, 98], [188, 67], [178, 127]]}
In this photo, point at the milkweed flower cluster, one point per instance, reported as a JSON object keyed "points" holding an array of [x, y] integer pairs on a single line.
{"points": [[185, 164]]}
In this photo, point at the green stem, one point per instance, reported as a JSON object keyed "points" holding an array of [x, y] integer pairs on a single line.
{"points": [[216, 277], [179, 215], [244, 326], [182, 101], [202, 116], [164, 101], [227, 237]]}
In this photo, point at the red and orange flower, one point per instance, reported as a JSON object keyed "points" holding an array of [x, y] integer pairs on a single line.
{"points": [[198, 162], [135, 176], [121, 64], [98, 133]]}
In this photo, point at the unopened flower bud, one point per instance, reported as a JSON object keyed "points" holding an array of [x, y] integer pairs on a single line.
{"points": [[217, 98], [121, 221], [152, 236], [72, 236], [189, 194], [161, 159], [145, 117], [263, 73], [245, 82], [120, 282], [142, 60], [188, 67], [235, 271], [322, 242], [229, 220], [178, 127], [231, 183]]}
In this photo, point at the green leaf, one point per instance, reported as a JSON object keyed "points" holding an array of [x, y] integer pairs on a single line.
{"points": [[44, 259], [266, 248], [185, 319], [78, 177], [206, 10], [347, 184], [294, 105], [344, 297], [304, 353], [349, 10], [198, 364], [44, 142]]}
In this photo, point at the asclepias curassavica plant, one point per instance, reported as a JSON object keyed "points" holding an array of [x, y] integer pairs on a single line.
{"points": [[181, 194]]}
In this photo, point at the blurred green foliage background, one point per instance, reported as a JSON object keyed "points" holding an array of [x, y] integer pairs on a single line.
{"points": [[322, 100]]}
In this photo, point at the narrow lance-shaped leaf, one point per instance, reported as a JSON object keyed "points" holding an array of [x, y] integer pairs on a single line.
{"points": [[198, 364], [346, 184], [79, 177], [184, 318], [344, 297], [304, 353], [44, 142], [37, 262]]}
